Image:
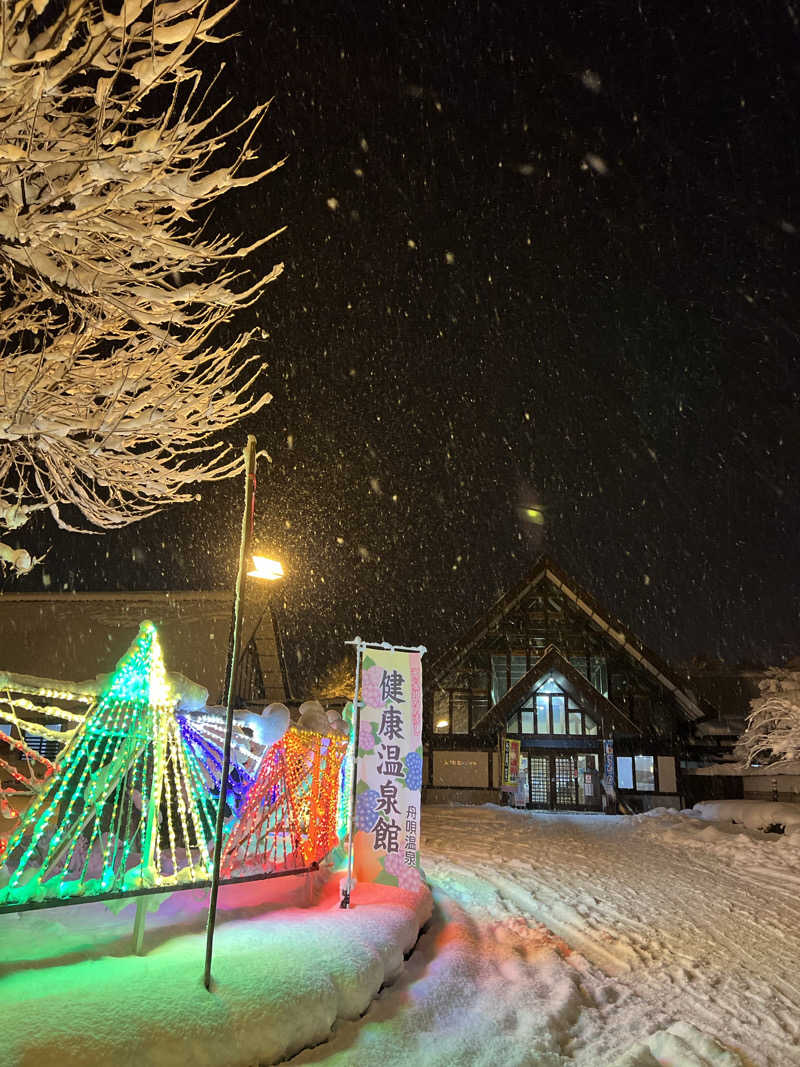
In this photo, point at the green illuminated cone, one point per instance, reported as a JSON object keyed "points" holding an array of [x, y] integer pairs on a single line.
{"points": [[126, 788]]}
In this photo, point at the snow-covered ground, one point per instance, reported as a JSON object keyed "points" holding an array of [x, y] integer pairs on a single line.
{"points": [[556, 940], [287, 964], [590, 940]]}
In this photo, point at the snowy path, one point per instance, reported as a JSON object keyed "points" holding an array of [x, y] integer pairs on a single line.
{"points": [[569, 939]]}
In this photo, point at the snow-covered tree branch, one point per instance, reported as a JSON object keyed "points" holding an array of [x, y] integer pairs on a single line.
{"points": [[773, 726], [112, 375]]}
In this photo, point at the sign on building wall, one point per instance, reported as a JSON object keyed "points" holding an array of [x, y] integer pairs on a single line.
{"points": [[511, 763], [386, 827], [608, 767]]}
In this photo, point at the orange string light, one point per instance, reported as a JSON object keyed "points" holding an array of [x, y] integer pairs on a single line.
{"points": [[288, 818]]}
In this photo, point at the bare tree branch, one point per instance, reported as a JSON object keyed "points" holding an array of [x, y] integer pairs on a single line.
{"points": [[111, 385]]}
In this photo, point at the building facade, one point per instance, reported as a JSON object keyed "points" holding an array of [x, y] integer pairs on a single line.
{"points": [[602, 721], [75, 636]]}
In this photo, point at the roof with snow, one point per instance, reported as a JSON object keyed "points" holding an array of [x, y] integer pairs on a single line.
{"points": [[546, 570], [76, 636]]}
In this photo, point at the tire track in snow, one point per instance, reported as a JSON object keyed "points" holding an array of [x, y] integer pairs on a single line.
{"points": [[675, 945], [561, 941]]}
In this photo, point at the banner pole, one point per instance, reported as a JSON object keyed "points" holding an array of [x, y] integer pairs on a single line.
{"points": [[345, 902]]}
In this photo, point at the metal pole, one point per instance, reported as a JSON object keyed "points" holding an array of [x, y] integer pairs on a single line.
{"points": [[138, 925], [244, 549], [353, 798]]}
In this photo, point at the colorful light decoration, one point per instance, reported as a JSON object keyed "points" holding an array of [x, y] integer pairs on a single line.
{"points": [[289, 815], [209, 757], [346, 775], [127, 792], [130, 801], [18, 725]]}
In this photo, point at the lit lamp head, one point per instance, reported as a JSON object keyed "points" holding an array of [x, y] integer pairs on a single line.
{"points": [[269, 569]]}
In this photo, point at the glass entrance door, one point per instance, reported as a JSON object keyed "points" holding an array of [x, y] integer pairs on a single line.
{"points": [[565, 780], [540, 781]]}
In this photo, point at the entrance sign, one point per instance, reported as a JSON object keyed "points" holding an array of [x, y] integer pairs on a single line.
{"points": [[511, 763], [387, 780]]}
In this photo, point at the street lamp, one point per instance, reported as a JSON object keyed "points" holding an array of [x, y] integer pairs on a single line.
{"points": [[263, 568], [270, 569]]}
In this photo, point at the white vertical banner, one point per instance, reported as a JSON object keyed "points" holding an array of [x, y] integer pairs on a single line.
{"points": [[386, 821]]}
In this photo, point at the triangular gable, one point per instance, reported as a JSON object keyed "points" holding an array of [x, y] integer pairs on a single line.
{"points": [[553, 662], [692, 708]]}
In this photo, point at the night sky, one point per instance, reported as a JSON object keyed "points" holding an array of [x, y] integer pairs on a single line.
{"points": [[538, 255]]}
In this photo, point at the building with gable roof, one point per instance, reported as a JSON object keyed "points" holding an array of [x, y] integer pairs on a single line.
{"points": [[74, 636], [601, 719]]}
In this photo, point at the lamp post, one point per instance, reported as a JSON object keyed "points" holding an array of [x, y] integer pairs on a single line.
{"points": [[271, 573]]}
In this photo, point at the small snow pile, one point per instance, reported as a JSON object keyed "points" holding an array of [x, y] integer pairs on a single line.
{"points": [[761, 815], [681, 1045], [283, 975]]}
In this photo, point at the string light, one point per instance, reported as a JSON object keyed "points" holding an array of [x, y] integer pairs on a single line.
{"points": [[137, 787], [128, 747], [207, 757], [289, 815]]}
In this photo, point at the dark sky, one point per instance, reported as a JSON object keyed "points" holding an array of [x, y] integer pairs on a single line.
{"points": [[537, 254]]}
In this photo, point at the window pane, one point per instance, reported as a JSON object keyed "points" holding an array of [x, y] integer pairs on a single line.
{"points": [[480, 706], [527, 722], [441, 712], [518, 668], [598, 674], [559, 715], [575, 722], [542, 715], [625, 772], [645, 775], [549, 686], [512, 727], [499, 680], [590, 725], [460, 713]]}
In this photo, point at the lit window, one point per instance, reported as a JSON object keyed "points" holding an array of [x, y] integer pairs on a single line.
{"points": [[645, 773], [575, 722], [580, 665], [527, 722], [518, 668], [512, 726], [559, 715], [441, 712], [590, 725], [625, 772], [542, 715]]}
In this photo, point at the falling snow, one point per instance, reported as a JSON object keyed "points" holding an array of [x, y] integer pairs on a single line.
{"points": [[542, 256]]}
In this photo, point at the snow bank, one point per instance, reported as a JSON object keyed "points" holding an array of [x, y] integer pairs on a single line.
{"points": [[754, 814], [681, 1045], [283, 974]]}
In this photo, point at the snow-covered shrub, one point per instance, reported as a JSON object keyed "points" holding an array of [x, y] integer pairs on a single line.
{"points": [[773, 726]]}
